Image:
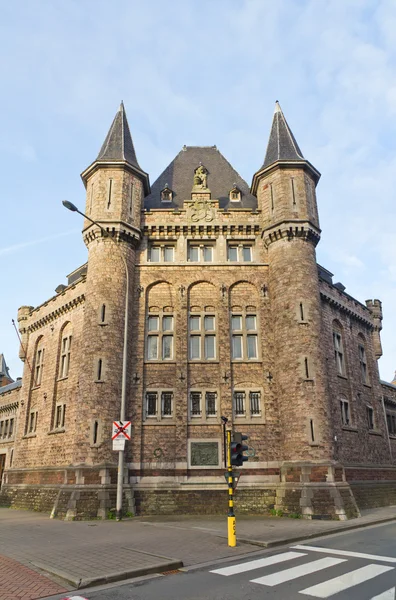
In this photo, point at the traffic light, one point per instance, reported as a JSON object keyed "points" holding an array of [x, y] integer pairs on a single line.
{"points": [[237, 449]]}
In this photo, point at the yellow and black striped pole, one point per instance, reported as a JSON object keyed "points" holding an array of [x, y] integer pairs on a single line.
{"points": [[231, 514]]}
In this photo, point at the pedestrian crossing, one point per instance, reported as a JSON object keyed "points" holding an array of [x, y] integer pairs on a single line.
{"points": [[296, 564]]}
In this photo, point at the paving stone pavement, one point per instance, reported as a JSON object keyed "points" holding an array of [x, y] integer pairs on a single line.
{"points": [[18, 582], [91, 550]]}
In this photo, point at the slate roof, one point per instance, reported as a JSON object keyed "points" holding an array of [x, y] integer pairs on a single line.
{"points": [[11, 386], [4, 372], [282, 144], [118, 144], [179, 175]]}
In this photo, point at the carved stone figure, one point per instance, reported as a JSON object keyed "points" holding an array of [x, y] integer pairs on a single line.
{"points": [[200, 177]]}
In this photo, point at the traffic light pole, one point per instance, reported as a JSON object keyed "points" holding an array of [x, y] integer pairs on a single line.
{"points": [[231, 514]]}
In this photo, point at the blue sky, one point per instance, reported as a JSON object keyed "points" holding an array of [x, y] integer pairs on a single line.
{"points": [[197, 73]]}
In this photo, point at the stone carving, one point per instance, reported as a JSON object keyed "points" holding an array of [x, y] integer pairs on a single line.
{"points": [[202, 210], [204, 454], [200, 177]]}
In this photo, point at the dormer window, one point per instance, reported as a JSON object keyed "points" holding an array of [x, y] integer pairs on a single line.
{"points": [[235, 194], [166, 194]]}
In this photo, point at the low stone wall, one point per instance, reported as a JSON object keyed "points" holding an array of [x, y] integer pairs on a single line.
{"points": [[374, 494]]}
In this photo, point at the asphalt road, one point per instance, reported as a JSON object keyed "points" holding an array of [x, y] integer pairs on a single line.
{"points": [[357, 565]]}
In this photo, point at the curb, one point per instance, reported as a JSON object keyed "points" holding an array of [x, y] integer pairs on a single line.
{"points": [[299, 538], [80, 583]]}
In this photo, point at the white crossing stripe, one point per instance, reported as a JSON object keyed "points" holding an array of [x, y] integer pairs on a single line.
{"points": [[339, 584], [388, 595], [257, 564], [389, 559], [295, 572]]}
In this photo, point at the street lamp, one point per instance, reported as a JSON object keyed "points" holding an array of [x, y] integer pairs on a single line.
{"points": [[120, 474]]}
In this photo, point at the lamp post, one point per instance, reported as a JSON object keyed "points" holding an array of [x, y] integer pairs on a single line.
{"points": [[120, 474]]}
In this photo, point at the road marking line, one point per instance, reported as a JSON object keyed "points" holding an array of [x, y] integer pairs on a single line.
{"points": [[339, 584], [388, 595], [257, 564], [295, 572], [390, 559]]}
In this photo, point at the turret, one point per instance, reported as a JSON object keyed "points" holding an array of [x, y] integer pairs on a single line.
{"points": [[116, 186], [375, 307], [285, 189], [285, 186]]}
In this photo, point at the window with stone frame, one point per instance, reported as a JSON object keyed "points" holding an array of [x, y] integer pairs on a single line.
{"points": [[161, 253], [363, 363], [203, 404], [65, 356], [159, 337], [370, 418], [391, 421], [39, 365], [60, 415], [345, 412], [339, 352], [235, 194], [166, 194], [158, 404], [201, 252], [247, 403], [244, 336], [240, 252], [202, 336], [7, 428], [32, 421]]}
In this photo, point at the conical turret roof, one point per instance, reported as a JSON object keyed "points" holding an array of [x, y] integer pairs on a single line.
{"points": [[282, 144], [118, 144]]}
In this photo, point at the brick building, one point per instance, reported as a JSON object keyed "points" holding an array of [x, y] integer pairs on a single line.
{"points": [[229, 314]]}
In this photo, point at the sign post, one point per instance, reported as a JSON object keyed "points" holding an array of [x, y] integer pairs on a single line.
{"points": [[121, 432]]}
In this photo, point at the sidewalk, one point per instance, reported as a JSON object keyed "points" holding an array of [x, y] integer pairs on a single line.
{"points": [[74, 555]]}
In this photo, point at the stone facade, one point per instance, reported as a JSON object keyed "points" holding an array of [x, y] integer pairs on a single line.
{"points": [[228, 314]]}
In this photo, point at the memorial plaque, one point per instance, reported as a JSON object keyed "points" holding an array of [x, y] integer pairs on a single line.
{"points": [[204, 454]]}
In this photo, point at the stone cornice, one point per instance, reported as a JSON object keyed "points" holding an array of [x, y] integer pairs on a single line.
{"points": [[290, 229], [214, 230], [9, 408], [346, 309], [55, 314]]}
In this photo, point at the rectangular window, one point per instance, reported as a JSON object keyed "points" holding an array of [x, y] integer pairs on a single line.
{"points": [[391, 422], [1, 428], [239, 403], [60, 414], [155, 254], [345, 415], [65, 356], [167, 347], [169, 254], [210, 398], [32, 422], [244, 342], [339, 353], [195, 347], [195, 403], [39, 366], [200, 252], [6, 424], [240, 252], [166, 404], [247, 253], [237, 346], [161, 254], [363, 363], [151, 404], [160, 337], [254, 398], [152, 347], [202, 343], [11, 428], [370, 417], [252, 346], [210, 347]]}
